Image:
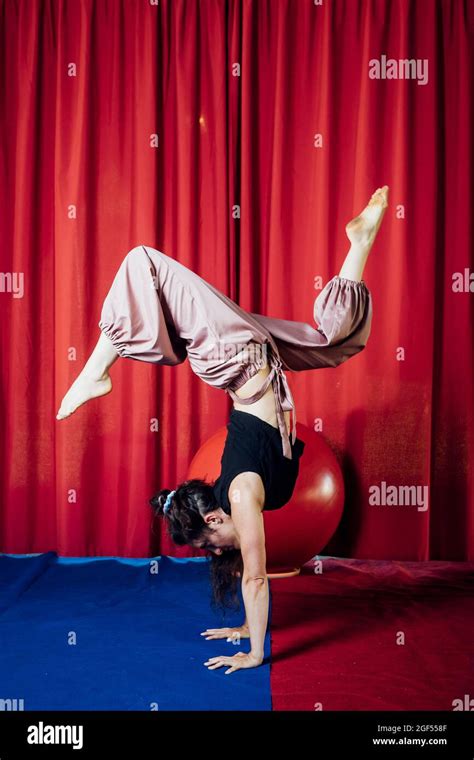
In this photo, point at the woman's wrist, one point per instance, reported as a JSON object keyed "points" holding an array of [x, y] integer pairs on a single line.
{"points": [[256, 655]]}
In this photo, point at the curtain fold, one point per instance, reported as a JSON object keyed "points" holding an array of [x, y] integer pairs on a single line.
{"points": [[239, 137]]}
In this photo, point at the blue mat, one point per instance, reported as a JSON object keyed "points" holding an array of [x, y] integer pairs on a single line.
{"points": [[107, 634]]}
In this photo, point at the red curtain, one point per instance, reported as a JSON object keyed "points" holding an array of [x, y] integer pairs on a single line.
{"points": [[193, 127]]}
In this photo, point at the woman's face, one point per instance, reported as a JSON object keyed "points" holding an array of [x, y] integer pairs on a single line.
{"points": [[222, 536]]}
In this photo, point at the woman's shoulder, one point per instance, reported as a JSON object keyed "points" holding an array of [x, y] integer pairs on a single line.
{"points": [[247, 485]]}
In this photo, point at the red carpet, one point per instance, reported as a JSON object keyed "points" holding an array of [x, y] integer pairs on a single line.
{"points": [[334, 636]]}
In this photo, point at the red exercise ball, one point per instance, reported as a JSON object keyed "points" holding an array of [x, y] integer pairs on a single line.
{"points": [[302, 528]]}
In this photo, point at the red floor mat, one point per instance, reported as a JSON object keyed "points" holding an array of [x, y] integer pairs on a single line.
{"points": [[336, 637]]}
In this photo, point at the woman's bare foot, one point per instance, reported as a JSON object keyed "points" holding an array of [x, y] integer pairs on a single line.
{"points": [[94, 379], [85, 387], [362, 230]]}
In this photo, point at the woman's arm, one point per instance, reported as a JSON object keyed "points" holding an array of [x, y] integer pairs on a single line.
{"points": [[247, 502], [248, 496]]}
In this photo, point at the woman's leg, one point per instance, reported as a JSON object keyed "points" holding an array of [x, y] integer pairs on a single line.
{"points": [[342, 310], [132, 326], [93, 381], [361, 232]]}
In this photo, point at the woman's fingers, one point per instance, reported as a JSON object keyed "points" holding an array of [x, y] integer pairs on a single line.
{"points": [[213, 661], [215, 633], [231, 634], [217, 662], [224, 631]]}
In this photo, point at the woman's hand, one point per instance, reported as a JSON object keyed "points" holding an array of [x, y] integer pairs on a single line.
{"points": [[231, 634], [238, 661]]}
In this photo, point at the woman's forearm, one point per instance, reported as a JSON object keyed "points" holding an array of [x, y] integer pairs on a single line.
{"points": [[256, 600]]}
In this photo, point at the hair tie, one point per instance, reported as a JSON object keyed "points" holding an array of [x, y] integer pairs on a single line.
{"points": [[168, 501]]}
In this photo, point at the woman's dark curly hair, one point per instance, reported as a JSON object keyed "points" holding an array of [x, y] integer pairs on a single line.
{"points": [[184, 520]]}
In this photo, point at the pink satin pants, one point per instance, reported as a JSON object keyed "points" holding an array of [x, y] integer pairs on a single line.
{"points": [[157, 310]]}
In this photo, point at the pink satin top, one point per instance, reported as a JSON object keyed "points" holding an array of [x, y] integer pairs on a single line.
{"points": [[284, 401]]}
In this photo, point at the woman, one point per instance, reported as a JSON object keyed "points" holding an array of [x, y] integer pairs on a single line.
{"points": [[159, 311]]}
